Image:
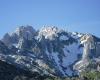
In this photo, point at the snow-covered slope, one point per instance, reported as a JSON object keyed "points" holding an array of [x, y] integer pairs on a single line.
{"points": [[50, 50]]}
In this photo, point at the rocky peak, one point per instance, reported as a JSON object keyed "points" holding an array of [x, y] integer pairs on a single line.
{"points": [[86, 37], [22, 32], [49, 32], [25, 31]]}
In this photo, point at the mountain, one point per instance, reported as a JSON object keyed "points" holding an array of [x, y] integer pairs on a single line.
{"points": [[50, 51]]}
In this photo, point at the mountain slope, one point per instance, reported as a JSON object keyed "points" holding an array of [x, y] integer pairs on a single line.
{"points": [[11, 72]]}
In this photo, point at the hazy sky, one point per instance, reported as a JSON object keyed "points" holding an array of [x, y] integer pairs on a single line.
{"points": [[74, 15]]}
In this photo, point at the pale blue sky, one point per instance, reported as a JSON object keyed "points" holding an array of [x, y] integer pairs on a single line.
{"points": [[74, 15]]}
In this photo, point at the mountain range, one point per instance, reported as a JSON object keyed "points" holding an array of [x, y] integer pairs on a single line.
{"points": [[50, 51]]}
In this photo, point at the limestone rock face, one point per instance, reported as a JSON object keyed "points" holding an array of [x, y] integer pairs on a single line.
{"points": [[88, 42]]}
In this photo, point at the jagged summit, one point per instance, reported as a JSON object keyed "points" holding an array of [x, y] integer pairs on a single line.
{"points": [[49, 32], [26, 32], [25, 29], [50, 50]]}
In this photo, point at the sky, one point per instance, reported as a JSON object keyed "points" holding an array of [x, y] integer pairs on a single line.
{"points": [[73, 15]]}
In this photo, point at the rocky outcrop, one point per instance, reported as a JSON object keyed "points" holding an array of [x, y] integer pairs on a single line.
{"points": [[88, 42]]}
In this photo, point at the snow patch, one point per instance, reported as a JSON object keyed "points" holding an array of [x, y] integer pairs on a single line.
{"points": [[72, 55], [55, 57]]}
